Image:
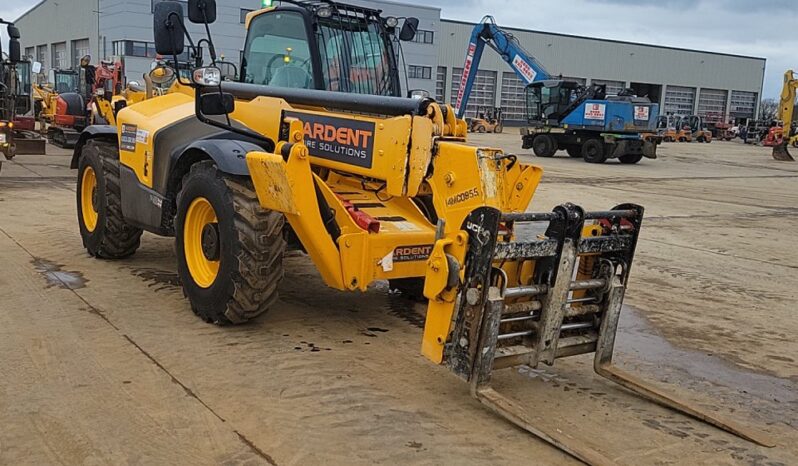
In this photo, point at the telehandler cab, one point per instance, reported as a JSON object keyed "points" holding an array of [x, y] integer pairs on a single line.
{"points": [[314, 149]]}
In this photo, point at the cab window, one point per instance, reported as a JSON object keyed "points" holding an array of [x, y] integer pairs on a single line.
{"points": [[277, 52]]}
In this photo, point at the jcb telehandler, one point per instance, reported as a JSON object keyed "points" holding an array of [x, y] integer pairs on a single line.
{"points": [[315, 150]]}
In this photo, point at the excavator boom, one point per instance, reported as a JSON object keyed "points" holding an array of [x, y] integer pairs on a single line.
{"points": [[786, 109]]}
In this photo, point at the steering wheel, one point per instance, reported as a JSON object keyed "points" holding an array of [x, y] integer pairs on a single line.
{"points": [[291, 76], [273, 59]]}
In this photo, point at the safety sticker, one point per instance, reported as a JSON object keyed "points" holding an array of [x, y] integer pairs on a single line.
{"points": [[142, 135], [129, 136], [595, 111]]}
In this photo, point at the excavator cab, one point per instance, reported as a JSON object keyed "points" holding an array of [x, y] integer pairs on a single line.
{"points": [[325, 46], [547, 101], [64, 80]]}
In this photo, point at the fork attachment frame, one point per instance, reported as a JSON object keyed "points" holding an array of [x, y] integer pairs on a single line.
{"points": [[527, 302]]}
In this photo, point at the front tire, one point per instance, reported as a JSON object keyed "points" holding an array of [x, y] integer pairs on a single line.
{"points": [[229, 249], [103, 228], [544, 145]]}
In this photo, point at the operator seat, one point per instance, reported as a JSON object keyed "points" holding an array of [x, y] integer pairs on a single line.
{"points": [[76, 105]]}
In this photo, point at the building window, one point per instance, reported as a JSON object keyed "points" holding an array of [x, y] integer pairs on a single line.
{"points": [[419, 72], [80, 48], [30, 52], [182, 2], [41, 55], [243, 15], [136, 48], [440, 85], [424, 37], [59, 56]]}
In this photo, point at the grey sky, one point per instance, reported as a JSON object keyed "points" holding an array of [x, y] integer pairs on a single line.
{"points": [[763, 28]]}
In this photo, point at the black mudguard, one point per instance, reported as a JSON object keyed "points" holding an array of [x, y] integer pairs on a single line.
{"points": [[107, 132]]}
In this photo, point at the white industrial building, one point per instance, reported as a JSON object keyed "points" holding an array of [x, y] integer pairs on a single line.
{"points": [[58, 32]]}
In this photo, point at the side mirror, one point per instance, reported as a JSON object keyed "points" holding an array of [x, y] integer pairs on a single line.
{"points": [[409, 29], [202, 11], [167, 28], [13, 32], [217, 103], [14, 51], [36, 67]]}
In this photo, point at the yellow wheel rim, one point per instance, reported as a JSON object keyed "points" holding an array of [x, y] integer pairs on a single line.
{"points": [[88, 193], [201, 217]]}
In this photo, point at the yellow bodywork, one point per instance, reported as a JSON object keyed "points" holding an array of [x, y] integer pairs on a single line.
{"points": [[388, 191], [787, 104]]}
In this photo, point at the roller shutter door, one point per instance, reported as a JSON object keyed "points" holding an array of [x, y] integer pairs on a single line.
{"points": [[712, 101], [440, 85], [743, 104], [483, 93], [679, 100], [513, 98]]}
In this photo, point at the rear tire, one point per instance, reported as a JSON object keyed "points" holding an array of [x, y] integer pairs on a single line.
{"points": [[544, 145], [593, 151], [630, 159], [481, 129], [103, 228], [231, 265], [498, 129]]}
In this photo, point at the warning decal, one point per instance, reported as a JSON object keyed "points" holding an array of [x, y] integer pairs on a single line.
{"points": [[523, 67], [641, 113], [128, 140], [339, 139], [595, 111]]}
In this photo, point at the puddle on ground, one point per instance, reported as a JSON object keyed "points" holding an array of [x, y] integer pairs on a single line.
{"points": [[158, 279], [652, 352], [56, 277]]}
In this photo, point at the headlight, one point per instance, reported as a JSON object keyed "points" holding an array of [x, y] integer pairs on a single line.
{"points": [[324, 12], [210, 76], [391, 22]]}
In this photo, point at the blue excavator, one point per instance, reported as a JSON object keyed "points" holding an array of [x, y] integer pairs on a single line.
{"points": [[566, 115]]}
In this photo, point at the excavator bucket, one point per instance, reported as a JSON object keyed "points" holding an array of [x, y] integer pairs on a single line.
{"points": [[781, 152], [560, 295]]}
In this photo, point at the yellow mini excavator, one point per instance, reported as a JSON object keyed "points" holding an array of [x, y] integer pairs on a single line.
{"points": [[786, 138], [314, 149]]}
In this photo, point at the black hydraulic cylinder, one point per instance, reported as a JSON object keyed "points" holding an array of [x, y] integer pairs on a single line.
{"points": [[361, 103]]}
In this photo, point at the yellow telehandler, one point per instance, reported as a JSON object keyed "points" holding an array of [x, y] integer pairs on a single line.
{"points": [[314, 149]]}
